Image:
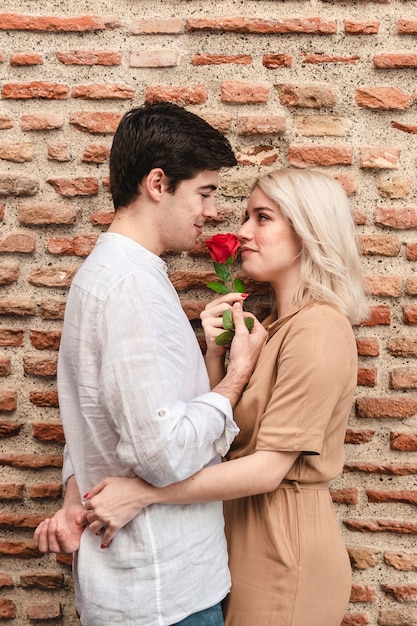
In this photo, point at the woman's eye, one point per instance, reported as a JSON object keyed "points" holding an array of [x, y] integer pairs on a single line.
{"points": [[262, 217]]}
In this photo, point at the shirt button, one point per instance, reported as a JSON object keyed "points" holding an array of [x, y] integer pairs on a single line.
{"points": [[161, 412]]}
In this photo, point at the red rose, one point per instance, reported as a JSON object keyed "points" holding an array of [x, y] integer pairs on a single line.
{"points": [[221, 247]]}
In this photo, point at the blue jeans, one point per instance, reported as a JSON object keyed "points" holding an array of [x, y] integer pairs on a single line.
{"points": [[209, 617]]}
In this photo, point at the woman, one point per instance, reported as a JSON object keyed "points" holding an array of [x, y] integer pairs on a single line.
{"points": [[288, 561]]}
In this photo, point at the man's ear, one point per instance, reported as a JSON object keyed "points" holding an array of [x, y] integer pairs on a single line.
{"points": [[156, 183]]}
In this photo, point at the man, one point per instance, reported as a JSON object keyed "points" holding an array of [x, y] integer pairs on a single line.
{"points": [[133, 389]]}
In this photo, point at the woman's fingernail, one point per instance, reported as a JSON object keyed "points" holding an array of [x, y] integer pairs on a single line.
{"points": [[85, 496], [102, 546], [244, 295]]}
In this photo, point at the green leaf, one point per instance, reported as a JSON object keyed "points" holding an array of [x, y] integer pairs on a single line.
{"points": [[249, 322], [217, 287], [238, 285], [225, 338], [221, 271], [228, 320]]}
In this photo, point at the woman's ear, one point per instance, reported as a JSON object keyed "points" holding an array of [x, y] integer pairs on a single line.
{"points": [[156, 183]]}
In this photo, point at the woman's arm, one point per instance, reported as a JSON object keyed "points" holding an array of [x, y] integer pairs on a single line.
{"points": [[115, 501]]}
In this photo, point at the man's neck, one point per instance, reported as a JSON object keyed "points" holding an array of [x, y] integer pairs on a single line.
{"points": [[135, 224]]}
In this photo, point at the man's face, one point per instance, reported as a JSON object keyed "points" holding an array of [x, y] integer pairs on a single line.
{"points": [[186, 210]]}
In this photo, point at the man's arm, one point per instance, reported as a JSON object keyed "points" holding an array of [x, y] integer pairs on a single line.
{"points": [[62, 532]]}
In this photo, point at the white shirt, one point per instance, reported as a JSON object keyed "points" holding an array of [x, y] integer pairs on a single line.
{"points": [[134, 398]]}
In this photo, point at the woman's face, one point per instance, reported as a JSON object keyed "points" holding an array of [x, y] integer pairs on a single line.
{"points": [[269, 246]]}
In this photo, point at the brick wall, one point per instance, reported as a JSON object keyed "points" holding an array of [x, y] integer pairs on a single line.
{"points": [[316, 83]]}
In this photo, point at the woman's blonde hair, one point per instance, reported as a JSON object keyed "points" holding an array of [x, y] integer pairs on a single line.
{"points": [[317, 207]]}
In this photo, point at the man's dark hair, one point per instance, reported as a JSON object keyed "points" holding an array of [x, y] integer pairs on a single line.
{"points": [[168, 136]]}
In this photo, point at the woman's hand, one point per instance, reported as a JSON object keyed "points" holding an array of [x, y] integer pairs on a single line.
{"points": [[113, 503], [212, 319]]}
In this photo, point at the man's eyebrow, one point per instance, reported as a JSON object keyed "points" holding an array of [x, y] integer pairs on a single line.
{"points": [[211, 187]]}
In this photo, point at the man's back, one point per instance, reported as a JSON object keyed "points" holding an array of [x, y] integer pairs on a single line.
{"points": [[133, 393]]}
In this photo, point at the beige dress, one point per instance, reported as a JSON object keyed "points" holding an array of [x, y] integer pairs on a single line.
{"points": [[288, 562]]}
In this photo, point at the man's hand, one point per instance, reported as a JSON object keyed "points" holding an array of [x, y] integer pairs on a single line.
{"points": [[62, 532]]}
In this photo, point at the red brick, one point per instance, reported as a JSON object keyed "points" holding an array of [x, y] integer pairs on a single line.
{"points": [[395, 61], [89, 57], [383, 98], [84, 23], [96, 153], [18, 242], [406, 128], [354, 619], [313, 25], [5, 366], [37, 214], [44, 398], [317, 59], [379, 158], [407, 27], [80, 245], [48, 431], [239, 91], [261, 124], [362, 593], [45, 339], [394, 185], [5, 122], [71, 187], [157, 26], [400, 561], [402, 346], [31, 461], [363, 557], [326, 156], [52, 276], [349, 495], [411, 251], [359, 437], [17, 186], [17, 306], [179, 95], [41, 121], [45, 490], [11, 491], [9, 273], [102, 218], [18, 59], [20, 549], [9, 428], [400, 593], [384, 285], [220, 59], [390, 407], [401, 218], [118, 91], [406, 497], [95, 123], [59, 152], [403, 442], [49, 611], [381, 526], [369, 27], [381, 245], [6, 581], [39, 366], [8, 399], [35, 90], [397, 617], [8, 609], [367, 376], [367, 346], [53, 309], [307, 96], [276, 61], [410, 314]]}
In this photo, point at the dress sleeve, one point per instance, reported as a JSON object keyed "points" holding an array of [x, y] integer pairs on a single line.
{"points": [[148, 353], [314, 370]]}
